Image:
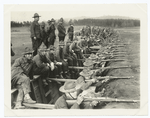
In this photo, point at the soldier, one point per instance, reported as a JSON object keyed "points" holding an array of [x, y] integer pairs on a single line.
{"points": [[74, 48], [71, 31], [71, 58], [83, 32], [42, 66], [44, 36], [61, 30], [57, 72], [73, 91], [60, 58], [21, 72], [35, 34], [51, 33]]}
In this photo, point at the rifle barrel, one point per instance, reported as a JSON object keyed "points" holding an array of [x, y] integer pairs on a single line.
{"points": [[104, 99], [106, 60], [109, 67], [98, 78]]}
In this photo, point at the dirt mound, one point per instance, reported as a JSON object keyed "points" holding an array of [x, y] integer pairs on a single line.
{"points": [[123, 88]]}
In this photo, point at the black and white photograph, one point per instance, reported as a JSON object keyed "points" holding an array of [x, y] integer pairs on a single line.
{"points": [[76, 57]]}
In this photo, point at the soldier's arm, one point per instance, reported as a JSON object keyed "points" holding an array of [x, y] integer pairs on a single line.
{"points": [[38, 62], [86, 85], [17, 63], [61, 103], [32, 30], [75, 106]]}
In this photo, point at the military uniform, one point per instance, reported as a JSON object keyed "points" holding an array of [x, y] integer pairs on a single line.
{"points": [[77, 51], [62, 104], [70, 32], [51, 33], [21, 73], [35, 32], [60, 58], [71, 59], [44, 35], [61, 31], [40, 67]]}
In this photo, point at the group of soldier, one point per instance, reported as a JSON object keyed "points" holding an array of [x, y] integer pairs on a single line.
{"points": [[51, 63]]}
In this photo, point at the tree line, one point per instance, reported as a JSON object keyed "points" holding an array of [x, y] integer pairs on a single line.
{"points": [[91, 22]]}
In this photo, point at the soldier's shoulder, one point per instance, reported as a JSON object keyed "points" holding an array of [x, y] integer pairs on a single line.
{"points": [[35, 57]]}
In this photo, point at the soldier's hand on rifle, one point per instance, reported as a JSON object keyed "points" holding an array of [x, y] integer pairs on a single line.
{"points": [[94, 103], [34, 38], [80, 99], [52, 66], [48, 64], [94, 80], [105, 80]]}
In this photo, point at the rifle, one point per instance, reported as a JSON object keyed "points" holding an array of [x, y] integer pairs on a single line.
{"points": [[113, 52], [109, 67], [102, 99], [98, 78], [105, 60]]}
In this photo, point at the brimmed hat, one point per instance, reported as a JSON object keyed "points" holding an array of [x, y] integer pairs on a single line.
{"points": [[70, 86], [48, 21], [70, 22], [88, 62], [86, 72], [52, 20], [61, 20], [93, 56], [36, 15], [27, 51], [42, 24]]}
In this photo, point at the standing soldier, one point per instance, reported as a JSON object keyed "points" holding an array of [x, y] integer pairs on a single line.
{"points": [[71, 31], [44, 36], [61, 30], [35, 34], [51, 33]]}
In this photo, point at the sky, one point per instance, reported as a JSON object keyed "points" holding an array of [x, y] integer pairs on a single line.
{"points": [[26, 12]]}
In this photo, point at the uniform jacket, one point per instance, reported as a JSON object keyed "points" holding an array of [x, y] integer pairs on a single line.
{"points": [[51, 31], [43, 35], [40, 62], [35, 29], [70, 30], [59, 54], [66, 50], [21, 66], [62, 104], [73, 46], [62, 30]]}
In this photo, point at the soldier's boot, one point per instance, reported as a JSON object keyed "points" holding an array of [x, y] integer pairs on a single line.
{"points": [[27, 99], [18, 105]]}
